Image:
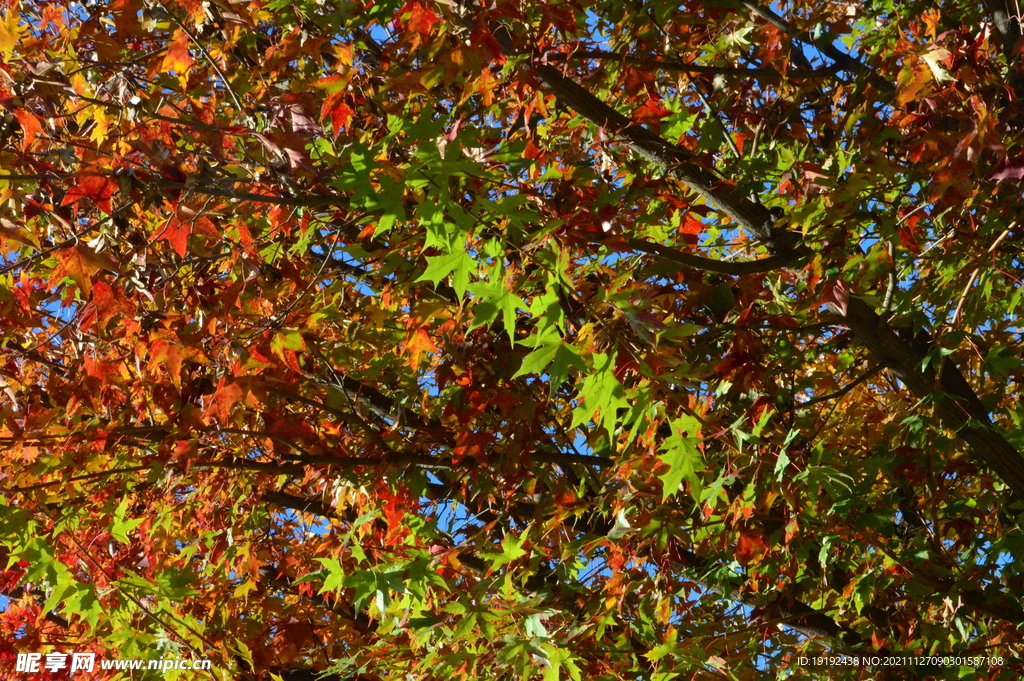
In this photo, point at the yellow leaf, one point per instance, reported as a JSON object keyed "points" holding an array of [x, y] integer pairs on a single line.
{"points": [[934, 58], [911, 83], [10, 30]]}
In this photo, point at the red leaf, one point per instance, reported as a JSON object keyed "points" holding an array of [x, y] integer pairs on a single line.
{"points": [[635, 80], [169, 354], [749, 547], [176, 232], [184, 222], [837, 293], [422, 19], [340, 117], [227, 395], [907, 238], [650, 112], [109, 302], [96, 188], [691, 229]]}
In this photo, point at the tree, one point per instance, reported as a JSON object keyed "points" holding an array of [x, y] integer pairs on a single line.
{"points": [[565, 339]]}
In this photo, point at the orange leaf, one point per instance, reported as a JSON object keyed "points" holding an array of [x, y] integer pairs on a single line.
{"points": [[176, 232], [177, 58], [417, 341], [169, 354], [911, 83], [650, 112], [80, 263], [749, 547], [30, 128]]}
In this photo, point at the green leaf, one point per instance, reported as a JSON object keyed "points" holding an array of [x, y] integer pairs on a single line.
{"points": [[511, 549], [440, 266], [121, 526], [601, 395], [536, 361], [780, 465], [174, 583], [335, 574], [682, 456], [494, 300]]}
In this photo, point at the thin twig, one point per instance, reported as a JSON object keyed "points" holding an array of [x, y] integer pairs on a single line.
{"points": [[216, 67], [67, 243], [974, 274], [840, 393]]}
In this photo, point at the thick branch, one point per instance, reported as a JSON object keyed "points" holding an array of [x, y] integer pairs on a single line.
{"points": [[956, 404], [1006, 19]]}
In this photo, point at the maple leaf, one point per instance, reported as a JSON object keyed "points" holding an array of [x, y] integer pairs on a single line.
{"points": [[177, 59], [417, 341], [341, 114], [601, 394], [1011, 169], [935, 59], [31, 128], [96, 188], [690, 228], [750, 546], [110, 303], [683, 458], [422, 19], [912, 82], [222, 401], [176, 233], [10, 29], [169, 354], [650, 112], [80, 263], [181, 225], [836, 293]]}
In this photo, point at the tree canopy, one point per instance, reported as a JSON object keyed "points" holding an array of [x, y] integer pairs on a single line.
{"points": [[563, 339]]}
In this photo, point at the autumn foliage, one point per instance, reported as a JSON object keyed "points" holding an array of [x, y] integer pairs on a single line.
{"points": [[524, 339]]}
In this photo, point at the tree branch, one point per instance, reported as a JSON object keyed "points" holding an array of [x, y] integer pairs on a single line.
{"points": [[675, 65], [839, 393], [1006, 19], [956, 403], [696, 262], [843, 60]]}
